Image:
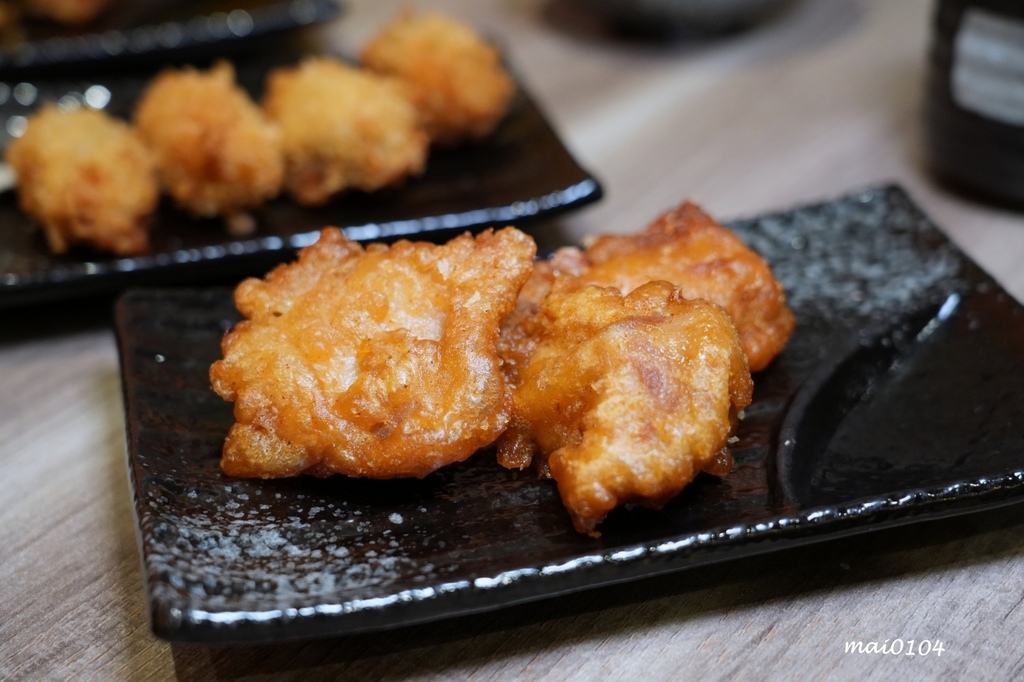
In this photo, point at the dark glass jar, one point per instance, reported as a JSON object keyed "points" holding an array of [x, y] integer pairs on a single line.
{"points": [[975, 96]]}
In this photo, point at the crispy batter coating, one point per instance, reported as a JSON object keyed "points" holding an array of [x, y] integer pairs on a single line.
{"points": [[455, 78], [378, 363], [67, 11], [688, 248], [87, 178], [629, 397], [343, 128], [684, 246], [627, 362], [217, 153], [520, 331]]}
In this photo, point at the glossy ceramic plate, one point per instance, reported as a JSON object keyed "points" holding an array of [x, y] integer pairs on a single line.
{"points": [[521, 171], [134, 30], [898, 399]]}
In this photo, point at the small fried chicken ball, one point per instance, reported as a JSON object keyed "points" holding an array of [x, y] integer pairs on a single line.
{"points": [[343, 128], [455, 78], [87, 178], [377, 363], [217, 153]]}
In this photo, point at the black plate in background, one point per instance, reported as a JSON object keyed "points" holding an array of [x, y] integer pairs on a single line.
{"points": [[520, 172], [899, 398], [148, 30]]}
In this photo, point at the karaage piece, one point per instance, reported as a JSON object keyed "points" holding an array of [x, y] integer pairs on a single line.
{"points": [[87, 178], [217, 153], [67, 11], [455, 77], [520, 331], [686, 247], [343, 128], [628, 397], [377, 363]]}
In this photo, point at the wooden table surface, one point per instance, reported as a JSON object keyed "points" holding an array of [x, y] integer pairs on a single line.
{"points": [[822, 99]]}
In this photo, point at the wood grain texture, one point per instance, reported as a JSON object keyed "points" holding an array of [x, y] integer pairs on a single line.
{"points": [[820, 100]]}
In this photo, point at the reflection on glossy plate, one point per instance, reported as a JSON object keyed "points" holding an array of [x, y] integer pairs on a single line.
{"points": [[154, 29], [898, 399], [520, 172]]}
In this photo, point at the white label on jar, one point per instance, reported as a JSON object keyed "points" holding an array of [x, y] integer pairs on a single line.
{"points": [[988, 66]]}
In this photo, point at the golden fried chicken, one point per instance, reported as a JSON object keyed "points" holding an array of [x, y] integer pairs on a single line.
{"points": [[455, 78], [343, 128], [629, 397], [520, 330], [87, 178], [378, 363], [684, 246], [688, 248], [67, 11], [217, 153]]}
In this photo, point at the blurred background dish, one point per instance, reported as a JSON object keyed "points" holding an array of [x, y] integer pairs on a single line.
{"points": [[672, 16], [141, 30], [520, 172]]}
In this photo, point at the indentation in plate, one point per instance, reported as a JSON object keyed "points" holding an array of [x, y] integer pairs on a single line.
{"points": [[914, 406]]}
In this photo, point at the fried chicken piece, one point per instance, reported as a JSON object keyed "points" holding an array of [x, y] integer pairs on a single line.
{"points": [[217, 153], [67, 11], [87, 178], [686, 247], [630, 397], [343, 128], [455, 78], [520, 330], [378, 363]]}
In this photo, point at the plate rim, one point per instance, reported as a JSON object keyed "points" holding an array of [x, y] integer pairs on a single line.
{"points": [[91, 49]]}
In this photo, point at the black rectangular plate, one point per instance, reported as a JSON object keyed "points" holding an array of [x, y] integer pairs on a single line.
{"points": [[134, 31], [899, 398], [520, 172]]}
